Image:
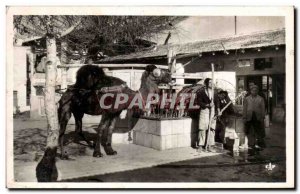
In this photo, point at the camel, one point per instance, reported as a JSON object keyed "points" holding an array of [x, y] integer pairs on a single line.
{"points": [[84, 97]]}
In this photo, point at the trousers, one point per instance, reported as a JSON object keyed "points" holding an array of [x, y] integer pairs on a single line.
{"points": [[203, 127], [255, 131], [203, 139]]}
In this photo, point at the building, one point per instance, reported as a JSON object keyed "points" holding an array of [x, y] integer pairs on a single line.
{"points": [[256, 57], [252, 56], [21, 86]]}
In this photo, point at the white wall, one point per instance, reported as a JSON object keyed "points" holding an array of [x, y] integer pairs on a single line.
{"points": [[223, 79], [19, 76]]}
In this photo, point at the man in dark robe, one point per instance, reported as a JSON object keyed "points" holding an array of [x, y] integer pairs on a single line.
{"points": [[223, 100]]}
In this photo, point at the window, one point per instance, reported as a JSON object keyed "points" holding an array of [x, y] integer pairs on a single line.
{"points": [[244, 63], [262, 63]]}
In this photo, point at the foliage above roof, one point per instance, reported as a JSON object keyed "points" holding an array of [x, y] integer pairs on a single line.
{"points": [[110, 35]]}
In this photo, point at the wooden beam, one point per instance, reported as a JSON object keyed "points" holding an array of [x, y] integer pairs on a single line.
{"points": [[187, 55], [188, 76], [112, 66]]}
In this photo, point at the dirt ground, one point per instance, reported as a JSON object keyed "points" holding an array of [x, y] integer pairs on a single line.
{"points": [[30, 138], [195, 173]]}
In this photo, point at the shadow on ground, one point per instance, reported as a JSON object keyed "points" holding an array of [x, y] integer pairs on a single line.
{"points": [[220, 168]]}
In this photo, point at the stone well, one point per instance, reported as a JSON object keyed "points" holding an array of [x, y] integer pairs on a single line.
{"points": [[162, 134]]}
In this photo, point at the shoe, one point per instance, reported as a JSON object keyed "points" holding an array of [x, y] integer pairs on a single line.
{"points": [[195, 146], [212, 150], [200, 149], [258, 148], [262, 144], [253, 151]]}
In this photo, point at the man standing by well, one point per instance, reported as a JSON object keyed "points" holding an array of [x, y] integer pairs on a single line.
{"points": [[253, 115], [208, 109]]}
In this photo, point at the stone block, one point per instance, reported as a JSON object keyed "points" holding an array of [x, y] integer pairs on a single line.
{"points": [[147, 137], [158, 142], [177, 126], [164, 134], [174, 141], [138, 126], [164, 127], [184, 140], [168, 139], [187, 126], [138, 138], [151, 127], [144, 125]]}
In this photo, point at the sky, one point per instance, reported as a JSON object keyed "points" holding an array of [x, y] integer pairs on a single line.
{"points": [[207, 27]]}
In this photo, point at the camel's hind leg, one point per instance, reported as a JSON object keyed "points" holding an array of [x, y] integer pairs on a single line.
{"points": [[102, 126], [107, 140]]}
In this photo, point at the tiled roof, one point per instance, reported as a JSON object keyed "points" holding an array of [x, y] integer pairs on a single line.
{"points": [[261, 39]]}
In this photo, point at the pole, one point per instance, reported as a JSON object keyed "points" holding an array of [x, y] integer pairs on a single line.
{"points": [[212, 100], [235, 27], [64, 61]]}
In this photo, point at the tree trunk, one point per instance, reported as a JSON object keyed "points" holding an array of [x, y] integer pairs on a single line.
{"points": [[46, 170], [50, 105]]}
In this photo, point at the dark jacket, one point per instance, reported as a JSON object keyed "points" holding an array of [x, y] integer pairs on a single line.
{"points": [[222, 103], [261, 94], [256, 105], [204, 100]]}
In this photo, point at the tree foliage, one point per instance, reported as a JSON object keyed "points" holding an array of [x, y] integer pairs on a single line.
{"points": [[108, 35]]}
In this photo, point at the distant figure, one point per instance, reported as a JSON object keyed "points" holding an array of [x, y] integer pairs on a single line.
{"points": [[240, 100], [208, 108], [253, 115], [250, 84], [270, 106], [90, 62], [260, 93], [41, 66]]}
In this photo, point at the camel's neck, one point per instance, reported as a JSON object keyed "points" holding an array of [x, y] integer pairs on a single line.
{"points": [[147, 88]]}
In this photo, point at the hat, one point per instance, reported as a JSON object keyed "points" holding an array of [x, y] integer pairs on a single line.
{"points": [[254, 87], [222, 92]]}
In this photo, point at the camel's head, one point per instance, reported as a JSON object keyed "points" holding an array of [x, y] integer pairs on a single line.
{"points": [[156, 75]]}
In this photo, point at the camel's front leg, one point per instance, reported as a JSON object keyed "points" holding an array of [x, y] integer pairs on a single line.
{"points": [[102, 126], [64, 114], [107, 141]]}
